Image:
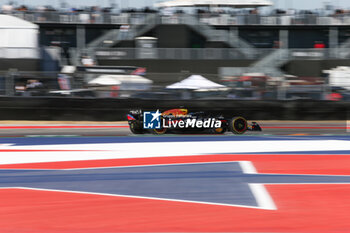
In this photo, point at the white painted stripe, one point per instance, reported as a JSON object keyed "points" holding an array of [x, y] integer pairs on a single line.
{"points": [[131, 196], [303, 183], [5, 145], [151, 165], [122, 166], [247, 167], [163, 149], [262, 197]]}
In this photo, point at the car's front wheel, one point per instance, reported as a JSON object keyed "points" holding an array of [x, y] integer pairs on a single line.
{"points": [[238, 125]]}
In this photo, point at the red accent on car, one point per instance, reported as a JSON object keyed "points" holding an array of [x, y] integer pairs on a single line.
{"points": [[131, 118]]}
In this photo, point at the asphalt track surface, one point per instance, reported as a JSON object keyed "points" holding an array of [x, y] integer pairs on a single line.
{"points": [[121, 129], [96, 178]]}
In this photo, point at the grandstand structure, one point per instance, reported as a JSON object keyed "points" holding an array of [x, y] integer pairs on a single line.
{"points": [[231, 42], [215, 3]]}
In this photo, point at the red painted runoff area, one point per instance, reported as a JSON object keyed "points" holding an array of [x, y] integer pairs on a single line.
{"points": [[301, 208], [321, 208]]}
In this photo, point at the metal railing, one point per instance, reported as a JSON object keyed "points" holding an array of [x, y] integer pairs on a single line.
{"points": [[210, 19], [177, 53], [218, 54]]}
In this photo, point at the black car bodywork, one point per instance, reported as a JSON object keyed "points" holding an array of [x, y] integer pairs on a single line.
{"points": [[236, 125]]}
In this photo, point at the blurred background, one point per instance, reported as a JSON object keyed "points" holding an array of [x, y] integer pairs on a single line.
{"points": [[267, 59]]}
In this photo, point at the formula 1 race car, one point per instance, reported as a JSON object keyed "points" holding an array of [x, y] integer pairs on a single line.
{"points": [[181, 121]]}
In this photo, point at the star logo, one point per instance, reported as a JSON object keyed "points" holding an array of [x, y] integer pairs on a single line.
{"points": [[151, 120], [156, 115]]}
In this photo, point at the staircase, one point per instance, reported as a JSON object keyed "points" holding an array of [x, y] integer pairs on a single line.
{"points": [[268, 65], [344, 50], [112, 37], [272, 63], [229, 37]]}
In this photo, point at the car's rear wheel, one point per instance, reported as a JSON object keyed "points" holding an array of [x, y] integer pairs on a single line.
{"points": [[135, 128], [238, 125], [159, 131]]}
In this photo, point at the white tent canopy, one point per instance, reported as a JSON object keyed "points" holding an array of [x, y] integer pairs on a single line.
{"points": [[339, 77], [19, 38], [196, 82], [126, 82], [8, 21], [215, 3], [105, 80]]}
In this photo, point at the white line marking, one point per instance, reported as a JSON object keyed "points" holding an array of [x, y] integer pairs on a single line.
{"points": [[122, 166], [247, 167], [151, 165], [164, 149], [262, 196], [131, 196], [8, 144], [303, 183]]}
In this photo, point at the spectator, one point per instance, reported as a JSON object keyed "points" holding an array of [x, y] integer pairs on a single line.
{"points": [[20, 88], [22, 8], [254, 12], [34, 88], [280, 12], [339, 12], [107, 10], [33, 84]]}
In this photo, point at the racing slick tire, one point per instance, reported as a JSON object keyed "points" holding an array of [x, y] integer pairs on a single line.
{"points": [[159, 131], [135, 128], [238, 125]]}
